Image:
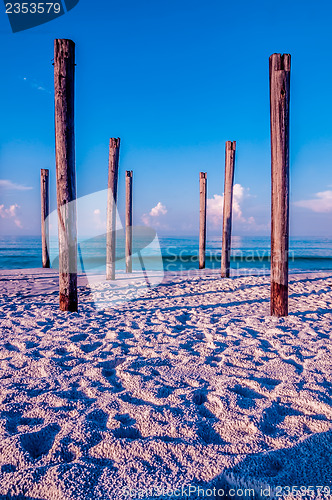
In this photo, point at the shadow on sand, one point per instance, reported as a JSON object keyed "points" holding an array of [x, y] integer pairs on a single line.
{"points": [[305, 464]]}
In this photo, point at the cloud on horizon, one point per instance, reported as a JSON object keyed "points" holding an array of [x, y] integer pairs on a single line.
{"points": [[11, 213], [7, 184], [215, 207], [321, 204], [155, 212], [159, 209]]}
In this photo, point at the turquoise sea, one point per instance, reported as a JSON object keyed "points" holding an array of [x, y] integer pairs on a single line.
{"points": [[173, 254]]}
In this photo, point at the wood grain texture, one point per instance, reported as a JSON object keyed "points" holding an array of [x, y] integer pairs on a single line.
{"points": [[202, 218], [129, 220], [228, 206], [45, 210], [279, 114], [64, 76], [112, 196]]}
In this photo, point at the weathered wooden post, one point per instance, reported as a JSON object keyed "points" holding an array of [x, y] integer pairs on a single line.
{"points": [[279, 101], [129, 220], [112, 194], [202, 218], [45, 210], [64, 75], [228, 206]]}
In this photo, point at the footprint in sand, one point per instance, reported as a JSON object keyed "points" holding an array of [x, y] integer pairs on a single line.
{"points": [[268, 383], [60, 351], [31, 422], [125, 419], [246, 396], [298, 367], [274, 416], [39, 443], [31, 345], [87, 348], [108, 371], [199, 398], [246, 392], [7, 468], [207, 433], [65, 452], [10, 347], [79, 337], [99, 417], [124, 432], [164, 391], [15, 419]]}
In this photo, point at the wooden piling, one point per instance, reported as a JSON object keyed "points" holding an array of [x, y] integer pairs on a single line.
{"points": [[202, 218], [129, 220], [228, 207], [64, 76], [113, 168], [45, 210], [279, 102]]}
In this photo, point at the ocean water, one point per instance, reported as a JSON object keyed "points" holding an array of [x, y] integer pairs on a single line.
{"points": [[249, 254]]}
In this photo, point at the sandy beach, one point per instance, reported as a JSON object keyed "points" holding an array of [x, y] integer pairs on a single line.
{"points": [[191, 383]]}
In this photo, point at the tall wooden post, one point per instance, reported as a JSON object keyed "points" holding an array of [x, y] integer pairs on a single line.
{"points": [[228, 206], [112, 194], [45, 210], [64, 74], [202, 218], [129, 220], [279, 101]]}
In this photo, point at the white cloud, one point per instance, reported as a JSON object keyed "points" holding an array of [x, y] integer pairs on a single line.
{"points": [[159, 209], [239, 193], [7, 184], [146, 219], [215, 206], [11, 213], [99, 219], [321, 204], [155, 212]]}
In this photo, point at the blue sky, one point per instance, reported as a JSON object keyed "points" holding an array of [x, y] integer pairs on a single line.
{"points": [[174, 79]]}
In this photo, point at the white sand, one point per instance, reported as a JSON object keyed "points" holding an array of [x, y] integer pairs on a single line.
{"points": [[192, 383]]}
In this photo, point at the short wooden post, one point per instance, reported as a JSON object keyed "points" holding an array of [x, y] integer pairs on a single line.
{"points": [[113, 168], [64, 75], [45, 210], [129, 220], [279, 101], [228, 206], [202, 218]]}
